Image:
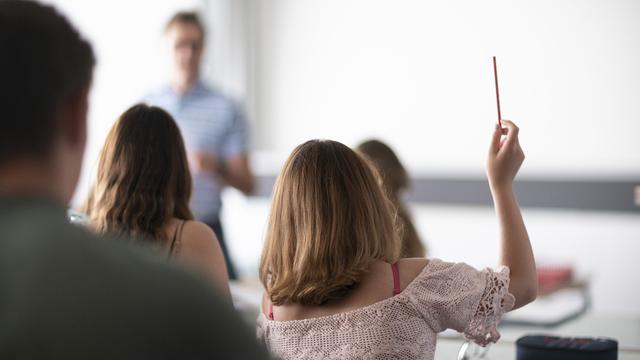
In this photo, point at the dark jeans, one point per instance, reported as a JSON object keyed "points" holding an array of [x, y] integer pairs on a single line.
{"points": [[217, 228]]}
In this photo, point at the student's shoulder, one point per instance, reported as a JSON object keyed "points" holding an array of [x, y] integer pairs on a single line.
{"points": [[410, 268], [417, 266], [198, 228], [412, 265], [198, 234], [435, 272]]}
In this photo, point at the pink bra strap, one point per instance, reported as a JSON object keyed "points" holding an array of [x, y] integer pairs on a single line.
{"points": [[270, 311], [396, 279]]}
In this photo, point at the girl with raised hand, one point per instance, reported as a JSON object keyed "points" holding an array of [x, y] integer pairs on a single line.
{"points": [[334, 287]]}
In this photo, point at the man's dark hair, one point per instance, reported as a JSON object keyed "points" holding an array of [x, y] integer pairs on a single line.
{"points": [[186, 17], [44, 63]]}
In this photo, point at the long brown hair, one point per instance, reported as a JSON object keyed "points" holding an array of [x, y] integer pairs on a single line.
{"points": [[395, 180], [330, 219], [394, 176], [143, 176]]}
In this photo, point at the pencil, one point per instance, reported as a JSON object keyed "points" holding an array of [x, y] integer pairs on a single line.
{"points": [[495, 75]]}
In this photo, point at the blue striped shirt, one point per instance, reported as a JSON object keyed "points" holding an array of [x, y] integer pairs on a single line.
{"points": [[209, 122]]}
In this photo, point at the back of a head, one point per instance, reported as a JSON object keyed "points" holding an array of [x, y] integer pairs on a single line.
{"points": [[44, 64], [330, 219], [186, 17], [395, 179], [143, 175], [394, 176]]}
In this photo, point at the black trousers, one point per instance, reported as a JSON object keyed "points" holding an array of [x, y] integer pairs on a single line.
{"points": [[216, 226]]}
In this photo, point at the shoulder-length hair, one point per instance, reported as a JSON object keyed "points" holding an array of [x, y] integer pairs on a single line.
{"points": [[143, 176], [330, 219]]}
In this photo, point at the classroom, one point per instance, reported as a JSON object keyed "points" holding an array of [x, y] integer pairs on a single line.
{"points": [[299, 147]]}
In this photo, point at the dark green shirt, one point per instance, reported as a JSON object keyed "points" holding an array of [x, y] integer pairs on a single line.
{"points": [[65, 293]]}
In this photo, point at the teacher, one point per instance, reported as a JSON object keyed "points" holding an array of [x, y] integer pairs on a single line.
{"points": [[213, 126]]}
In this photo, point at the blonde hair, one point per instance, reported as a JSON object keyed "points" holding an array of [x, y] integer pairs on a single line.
{"points": [[143, 176], [330, 219]]}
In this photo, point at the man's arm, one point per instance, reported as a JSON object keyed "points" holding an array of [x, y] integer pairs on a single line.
{"points": [[235, 160], [237, 173], [233, 171]]}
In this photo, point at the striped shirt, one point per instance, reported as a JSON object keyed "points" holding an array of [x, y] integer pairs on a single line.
{"points": [[210, 122]]}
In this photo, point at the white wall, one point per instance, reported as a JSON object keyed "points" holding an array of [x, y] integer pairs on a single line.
{"points": [[418, 74], [603, 247]]}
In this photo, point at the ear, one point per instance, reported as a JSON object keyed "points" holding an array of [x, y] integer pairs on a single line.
{"points": [[75, 123]]}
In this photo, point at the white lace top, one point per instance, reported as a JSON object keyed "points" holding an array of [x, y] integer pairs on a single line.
{"points": [[444, 295]]}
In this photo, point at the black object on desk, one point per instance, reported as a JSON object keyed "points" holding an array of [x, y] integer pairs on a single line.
{"points": [[563, 348]]}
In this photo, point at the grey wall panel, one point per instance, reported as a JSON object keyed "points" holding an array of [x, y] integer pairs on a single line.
{"points": [[570, 194]]}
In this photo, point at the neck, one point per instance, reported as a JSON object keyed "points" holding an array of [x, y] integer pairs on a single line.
{"points": [[30, 179], [181, 84]]}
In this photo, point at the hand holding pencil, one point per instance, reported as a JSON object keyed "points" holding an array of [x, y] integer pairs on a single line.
{"points": [[505, 155], [503, 162]]}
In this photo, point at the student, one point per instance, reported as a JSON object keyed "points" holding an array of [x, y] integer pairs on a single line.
{"points": [[65, 293], [213, 126], [143, 189], [395, 181], [335, 288]]}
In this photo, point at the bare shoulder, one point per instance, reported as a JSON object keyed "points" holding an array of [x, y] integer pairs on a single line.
{"points": [[200, 247], [198, 235], [195, 227]]}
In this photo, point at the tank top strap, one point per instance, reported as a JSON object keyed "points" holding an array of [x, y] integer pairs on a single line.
{"points": [[176, 241], [270, 311], [396, 279]]}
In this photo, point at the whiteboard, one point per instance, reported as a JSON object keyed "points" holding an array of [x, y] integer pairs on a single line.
{"points": [[418, 74]]}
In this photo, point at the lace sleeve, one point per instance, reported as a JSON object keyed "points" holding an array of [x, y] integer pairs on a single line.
{"points": [[458, 296], [494, 302]]}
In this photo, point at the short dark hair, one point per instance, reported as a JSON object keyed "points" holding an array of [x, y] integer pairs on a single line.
{"points": [[44, 63], [186, 17]]}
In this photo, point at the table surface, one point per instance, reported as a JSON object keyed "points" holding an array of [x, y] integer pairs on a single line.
{"points": [[448, 349], [624, 329]]}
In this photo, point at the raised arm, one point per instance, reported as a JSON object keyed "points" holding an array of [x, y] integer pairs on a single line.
{"points": [[505, 158]]}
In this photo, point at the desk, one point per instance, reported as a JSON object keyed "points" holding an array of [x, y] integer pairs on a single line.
{"points": [[624, 329], [447, 349]]}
